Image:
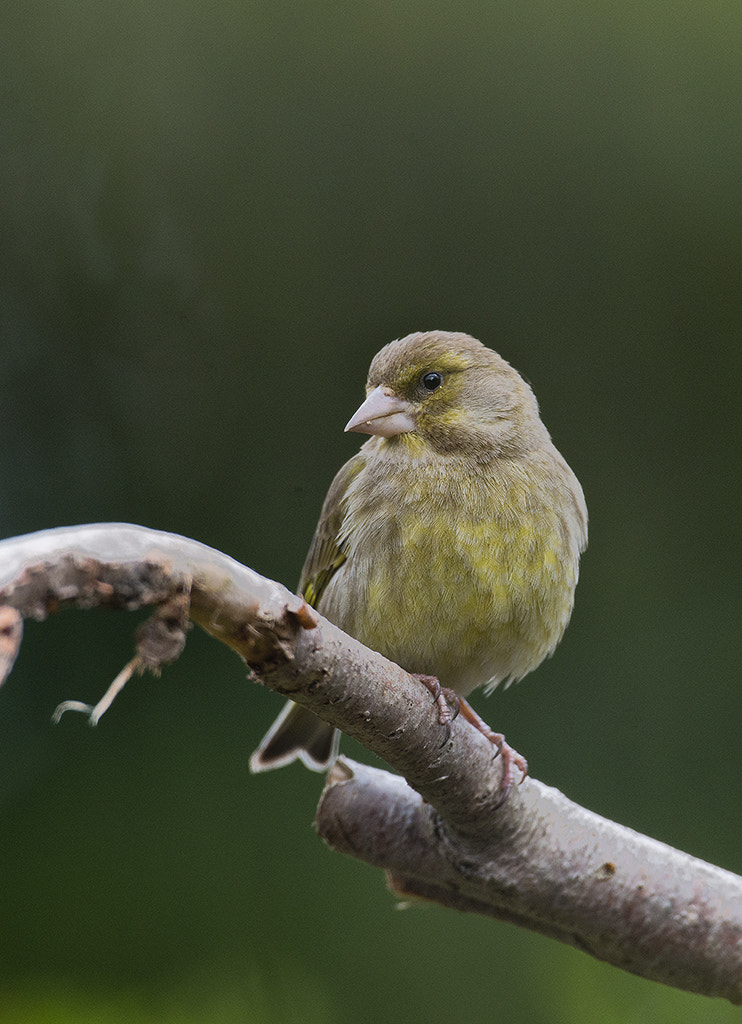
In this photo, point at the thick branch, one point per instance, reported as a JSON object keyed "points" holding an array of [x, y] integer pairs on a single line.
{"points": [[539, 860], [565, 872]]}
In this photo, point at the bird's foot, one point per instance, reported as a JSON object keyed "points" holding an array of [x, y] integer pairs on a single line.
{"points": [[446, 701], [449, 705], [510, 757]]}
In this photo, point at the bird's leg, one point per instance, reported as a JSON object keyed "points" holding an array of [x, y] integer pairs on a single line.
{"points": [[446, 701], [449, 705], [510, 757]]}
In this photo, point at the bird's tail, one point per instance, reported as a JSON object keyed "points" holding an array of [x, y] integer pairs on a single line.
{"points": [[297, 734]]}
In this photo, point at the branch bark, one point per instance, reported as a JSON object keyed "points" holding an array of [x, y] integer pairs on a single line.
{"points": [[539, 860]]}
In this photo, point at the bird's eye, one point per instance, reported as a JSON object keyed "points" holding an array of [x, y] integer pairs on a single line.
{"points": [[431, 381]]}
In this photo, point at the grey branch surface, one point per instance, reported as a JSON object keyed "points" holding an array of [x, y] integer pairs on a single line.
{"points": [[539, 860]]}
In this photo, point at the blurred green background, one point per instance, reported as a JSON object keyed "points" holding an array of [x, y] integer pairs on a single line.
{"points": [[212, 217]]}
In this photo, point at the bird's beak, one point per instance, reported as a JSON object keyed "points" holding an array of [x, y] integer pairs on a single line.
{"points": [[384, 414]]}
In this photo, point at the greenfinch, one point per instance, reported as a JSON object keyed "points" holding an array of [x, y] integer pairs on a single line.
{"points": [[450, 543]]}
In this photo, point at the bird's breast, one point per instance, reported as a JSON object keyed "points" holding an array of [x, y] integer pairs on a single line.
{"points": [[463, 578]]}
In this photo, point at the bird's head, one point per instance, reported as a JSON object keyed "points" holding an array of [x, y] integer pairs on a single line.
{"points": [[452, 393]]}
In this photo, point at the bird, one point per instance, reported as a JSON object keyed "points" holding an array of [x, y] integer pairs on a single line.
{"points": [[450, 543]]}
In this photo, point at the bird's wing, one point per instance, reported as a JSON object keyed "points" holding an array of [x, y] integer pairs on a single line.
{"points": [[326, 554]]}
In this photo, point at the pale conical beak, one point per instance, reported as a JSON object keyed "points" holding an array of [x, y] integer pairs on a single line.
{"points": [[384, 414]]}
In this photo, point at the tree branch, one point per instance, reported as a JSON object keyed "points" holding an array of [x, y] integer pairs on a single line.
{"points": [[539, 860]]}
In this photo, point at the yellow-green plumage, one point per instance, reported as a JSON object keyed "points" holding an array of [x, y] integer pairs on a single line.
{"points": [[450, 543]]}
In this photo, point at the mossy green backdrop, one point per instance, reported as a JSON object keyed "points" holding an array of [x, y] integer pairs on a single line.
{"points": [[212, 216]]}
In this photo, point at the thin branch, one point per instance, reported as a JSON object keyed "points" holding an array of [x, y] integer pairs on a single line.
{"points": [[539, 860]]}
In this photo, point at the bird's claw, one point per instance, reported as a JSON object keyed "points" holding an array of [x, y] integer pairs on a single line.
{"points": [[510, 758], [449, 705], [446, 701]]}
